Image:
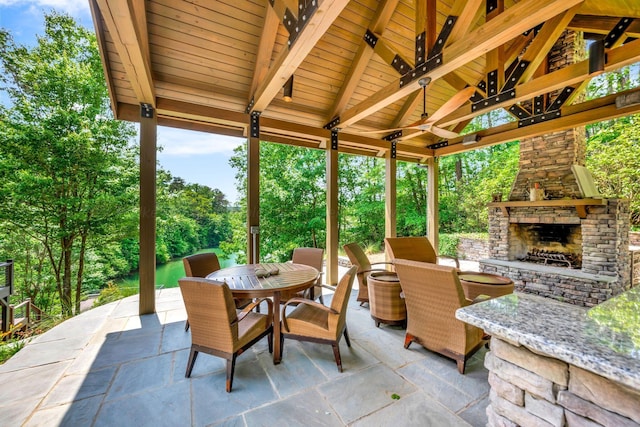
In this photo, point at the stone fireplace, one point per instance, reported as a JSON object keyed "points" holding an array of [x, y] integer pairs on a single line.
{"points": [[560, 245]]}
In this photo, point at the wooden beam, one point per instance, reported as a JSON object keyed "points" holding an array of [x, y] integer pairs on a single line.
{"points": [[289, 60], [127, 28], [433, 207], [265, 48], [468, 12], [568, 76], [390, 191], [495, 57], [331, 157], [544, 41], [363, 56], [147, 261], [100, 30], [601, 24], [253, 199], [572, 116], [514, 21]]}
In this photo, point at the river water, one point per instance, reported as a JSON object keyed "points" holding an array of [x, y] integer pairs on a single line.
{"points": [[167, 275]]}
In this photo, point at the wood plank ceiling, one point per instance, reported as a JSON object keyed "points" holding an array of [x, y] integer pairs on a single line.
{"points": [[357, 66]]}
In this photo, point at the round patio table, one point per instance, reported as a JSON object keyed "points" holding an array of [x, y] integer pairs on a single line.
{"points": [[474, 284], [244, 283]]}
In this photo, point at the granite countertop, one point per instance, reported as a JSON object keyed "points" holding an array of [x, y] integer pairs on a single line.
{"points": [[604, 339]]}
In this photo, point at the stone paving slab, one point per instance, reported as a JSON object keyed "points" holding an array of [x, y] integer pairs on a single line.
{"points": [[111, 367]]}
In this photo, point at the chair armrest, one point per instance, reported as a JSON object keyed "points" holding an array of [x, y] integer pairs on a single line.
{"points": [[382, 262], [479, 298], [375, 270], [303, 301], [245, 311], [451, 258]]}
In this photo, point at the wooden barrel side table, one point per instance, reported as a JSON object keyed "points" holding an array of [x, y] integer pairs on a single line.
{"points": [[385, 303], [474, 284]]}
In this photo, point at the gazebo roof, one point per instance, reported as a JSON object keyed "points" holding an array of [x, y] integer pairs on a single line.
{"points": [[208, 65]]}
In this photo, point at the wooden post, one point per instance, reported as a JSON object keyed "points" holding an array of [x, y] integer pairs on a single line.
{"points": [[432, 202], [148, 144], [332, 211], [390, 195], [253, 192]]}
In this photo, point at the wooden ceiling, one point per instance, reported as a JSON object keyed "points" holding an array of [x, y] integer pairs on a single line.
{"points": [[209, 65]]}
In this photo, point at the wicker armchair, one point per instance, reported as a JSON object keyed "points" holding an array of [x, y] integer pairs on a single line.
{"points": [[200, 265], [312, 321], [365, 268], [431, 310], [415, 248], [313, 257], [217, 328]]}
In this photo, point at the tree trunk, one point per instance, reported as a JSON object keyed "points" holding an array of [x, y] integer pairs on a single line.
{"points": [[80, 272]]}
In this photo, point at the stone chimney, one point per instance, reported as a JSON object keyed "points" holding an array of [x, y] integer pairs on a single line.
{"points": [[547, 159]]}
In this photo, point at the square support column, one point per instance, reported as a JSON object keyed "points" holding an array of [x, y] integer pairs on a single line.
{"points": [[148, 149]]}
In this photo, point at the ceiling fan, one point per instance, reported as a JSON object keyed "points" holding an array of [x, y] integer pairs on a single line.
{"points": [[426, 122]]}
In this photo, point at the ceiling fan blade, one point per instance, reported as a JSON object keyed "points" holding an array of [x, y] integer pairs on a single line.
{"points": [[414, 125], [370, 132], [443, 133], [452, 104]]}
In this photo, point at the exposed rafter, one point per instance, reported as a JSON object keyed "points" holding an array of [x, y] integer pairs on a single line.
{"points": [[128, 29], [285, 65], [568, 76], [514, 21]]}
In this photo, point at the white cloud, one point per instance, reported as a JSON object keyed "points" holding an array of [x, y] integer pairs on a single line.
{"points": [[178, 142], [75, 8]]}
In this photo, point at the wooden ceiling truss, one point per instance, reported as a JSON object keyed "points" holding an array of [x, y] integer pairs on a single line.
{"points": [[220, 66]]}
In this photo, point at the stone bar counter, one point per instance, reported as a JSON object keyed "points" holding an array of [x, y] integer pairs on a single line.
{"points": [[557, 364]]}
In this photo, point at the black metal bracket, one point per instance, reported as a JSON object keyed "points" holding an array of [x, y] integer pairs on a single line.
{"points": [[250, 105], [538, 105], [519, 111], [393, 136], [491, 6], [561, 98], [493, 100], [539, 118], [477, 96], [445, 31], [438, 144], [334, 139], [370, 38], [535, 30], [295, 26], [400, 65], [333, 123], [492, 83], [420, 71], [617, 32], [514, 73], [393, 149], [255, 124], [146, 110], [421, 48]]}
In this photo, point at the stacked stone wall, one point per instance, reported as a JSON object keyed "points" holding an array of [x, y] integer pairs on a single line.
{"points": [[473, 249], [531, 389]]}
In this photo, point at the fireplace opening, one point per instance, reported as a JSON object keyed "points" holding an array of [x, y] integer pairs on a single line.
{"points": [[551, 244]]}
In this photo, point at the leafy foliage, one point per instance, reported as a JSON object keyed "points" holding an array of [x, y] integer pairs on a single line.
{"points": [[67, 171]]}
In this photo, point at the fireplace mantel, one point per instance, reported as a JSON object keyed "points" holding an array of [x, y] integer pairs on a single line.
{"points": [[579, 204]]}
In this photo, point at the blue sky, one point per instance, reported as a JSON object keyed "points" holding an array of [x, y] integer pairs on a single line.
{"points": [[196, 157]]}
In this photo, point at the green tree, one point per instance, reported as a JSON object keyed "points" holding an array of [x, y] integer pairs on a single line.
{"points": [[613, 156], [68, 173]]}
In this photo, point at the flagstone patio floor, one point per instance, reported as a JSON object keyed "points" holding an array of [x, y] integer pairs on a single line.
{"points": [[111, 367]]}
